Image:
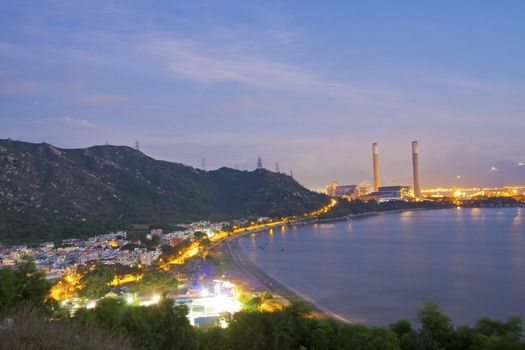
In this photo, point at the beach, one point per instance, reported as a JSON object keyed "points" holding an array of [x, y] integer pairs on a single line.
{"points": [[254, 278]]}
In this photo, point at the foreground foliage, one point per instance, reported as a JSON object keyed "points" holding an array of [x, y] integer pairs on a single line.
{"points": [[24, 286], [114, 323], [33, 330], [166, 327]]}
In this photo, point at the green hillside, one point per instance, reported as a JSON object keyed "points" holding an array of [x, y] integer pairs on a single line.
{"points": [[51, 193]]}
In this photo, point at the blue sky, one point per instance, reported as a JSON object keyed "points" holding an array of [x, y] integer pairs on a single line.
{"points": [[310, 84]]}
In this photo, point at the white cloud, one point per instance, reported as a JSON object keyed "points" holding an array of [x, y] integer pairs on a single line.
{"points": [[19, 88], [188, 60], [80, 123], [99, 100]]}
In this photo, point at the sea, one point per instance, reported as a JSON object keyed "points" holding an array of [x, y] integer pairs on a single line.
{"points": [[381, 268]]}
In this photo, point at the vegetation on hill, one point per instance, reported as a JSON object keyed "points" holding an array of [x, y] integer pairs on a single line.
{"points": [[48, 193]]}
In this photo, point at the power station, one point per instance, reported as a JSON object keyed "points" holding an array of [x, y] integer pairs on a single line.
{"points": [[381, 193], [394, 192]]}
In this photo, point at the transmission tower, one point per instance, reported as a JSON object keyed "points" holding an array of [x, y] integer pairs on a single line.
{"points": [[137, 146], [291, 173], [277, 167], [259, 163], [203, 164]]}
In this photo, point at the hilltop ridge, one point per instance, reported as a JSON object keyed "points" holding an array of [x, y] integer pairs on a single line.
{"points": [[48, 192]]}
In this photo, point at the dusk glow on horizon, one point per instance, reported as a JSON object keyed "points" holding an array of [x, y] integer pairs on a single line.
{"points": [[310, 85]]}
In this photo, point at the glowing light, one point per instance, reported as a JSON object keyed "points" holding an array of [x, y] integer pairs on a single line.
{"points": [[124, 279], [155, 299], [228, 284], [67, 287], [91, 304], [204, 292], [196, 248]]}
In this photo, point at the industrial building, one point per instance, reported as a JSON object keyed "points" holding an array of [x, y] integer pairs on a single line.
{"points": [[349, 191], [389, 193]]}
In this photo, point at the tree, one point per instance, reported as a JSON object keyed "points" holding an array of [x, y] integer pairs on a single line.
{"points": [[324, 334], [175, 325], [405, 334], [31, 284], [382, 338], [513, 328], [155, 282], [437, 328], [199, 235], [110, 313], [95, 284], [291, 328], [25, 285], [8, 288]]}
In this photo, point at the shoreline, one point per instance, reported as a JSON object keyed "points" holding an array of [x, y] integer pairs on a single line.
{"points": [[258, 279]]}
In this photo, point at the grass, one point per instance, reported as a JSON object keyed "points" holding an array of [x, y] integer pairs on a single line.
{"points": [[32, 331]]}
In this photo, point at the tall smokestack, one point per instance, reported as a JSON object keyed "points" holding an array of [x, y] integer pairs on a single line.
{"points": [[375, 157], [415, 168]]}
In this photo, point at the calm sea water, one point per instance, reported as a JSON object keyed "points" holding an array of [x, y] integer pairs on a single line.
{"points": [[380, 268]]}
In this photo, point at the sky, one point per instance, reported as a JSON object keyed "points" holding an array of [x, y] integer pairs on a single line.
{"points": [[308, 84]]}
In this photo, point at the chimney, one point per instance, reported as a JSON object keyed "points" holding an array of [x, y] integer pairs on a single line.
{"points": [[415, 168], [375, 157]]}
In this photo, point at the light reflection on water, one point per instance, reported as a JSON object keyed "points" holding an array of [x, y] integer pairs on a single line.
{"points": [[470, 261]]}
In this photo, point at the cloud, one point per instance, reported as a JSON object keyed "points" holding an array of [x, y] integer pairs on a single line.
{"points": [[80, 123], [19, 88], [186, 59], [99, 100], [284, 37]]}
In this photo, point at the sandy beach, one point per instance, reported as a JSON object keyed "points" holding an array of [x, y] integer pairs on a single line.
{"points": [[256, 279]]}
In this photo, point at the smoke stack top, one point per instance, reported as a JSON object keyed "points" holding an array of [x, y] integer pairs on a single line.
{"points": [[375, 148], [415, 147]]}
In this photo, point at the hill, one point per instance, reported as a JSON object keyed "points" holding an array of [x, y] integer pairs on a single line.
{"points": [[49, 193]]}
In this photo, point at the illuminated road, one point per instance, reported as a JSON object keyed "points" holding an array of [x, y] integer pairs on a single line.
{"points": [[68, 286], [195, 248]]}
